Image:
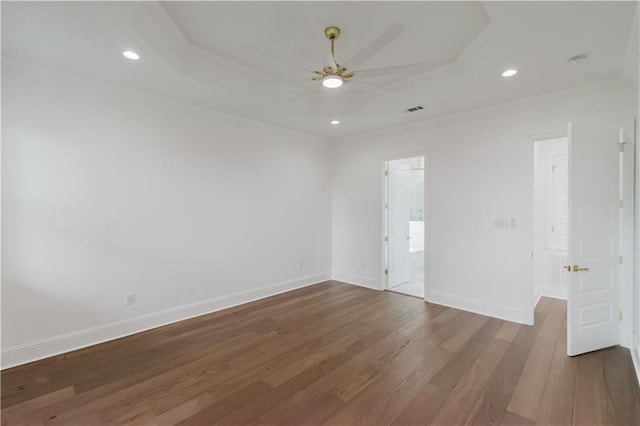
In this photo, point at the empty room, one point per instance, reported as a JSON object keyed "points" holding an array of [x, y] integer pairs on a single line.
{"points": [[300, 213]]}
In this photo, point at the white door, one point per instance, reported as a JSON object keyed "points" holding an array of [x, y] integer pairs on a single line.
{"points": [[594, 182], [398, 200]]}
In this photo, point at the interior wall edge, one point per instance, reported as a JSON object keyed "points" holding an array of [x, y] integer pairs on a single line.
{"points": [[478, 307], [537, 298], [56, 345], [356, 280], [635, 357], [554, 292]]}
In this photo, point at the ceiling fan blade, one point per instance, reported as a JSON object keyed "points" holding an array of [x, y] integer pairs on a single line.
{"points": [[316, 96], [274, 57], [372, 88], [398, 69], [375, 46]]}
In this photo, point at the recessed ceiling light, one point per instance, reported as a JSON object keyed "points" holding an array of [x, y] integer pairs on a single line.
{"points": [[335, 122], [332, 81], [130, 54], [510, 73]]}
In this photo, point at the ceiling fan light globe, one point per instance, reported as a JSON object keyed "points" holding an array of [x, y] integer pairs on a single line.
{"points": [[332, 81]]}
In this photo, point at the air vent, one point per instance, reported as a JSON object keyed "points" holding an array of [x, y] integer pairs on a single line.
{"points": [[415, 108]]}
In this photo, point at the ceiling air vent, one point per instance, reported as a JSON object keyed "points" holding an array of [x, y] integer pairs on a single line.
{"points": [[415, 108]]}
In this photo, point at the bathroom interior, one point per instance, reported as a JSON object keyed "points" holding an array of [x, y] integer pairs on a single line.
{"points": [[413, 283]]}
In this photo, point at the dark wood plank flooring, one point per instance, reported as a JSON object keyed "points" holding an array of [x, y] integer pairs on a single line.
{"points": [[331, 354]]}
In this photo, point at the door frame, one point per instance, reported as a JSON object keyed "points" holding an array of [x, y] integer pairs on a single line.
{"points": [[530, 296], [539, 232], [383, 225], [628, 249]]}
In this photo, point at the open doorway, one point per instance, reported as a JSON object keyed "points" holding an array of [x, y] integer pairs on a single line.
{"points": [[551, 216], [405, 230], [577, 208]]}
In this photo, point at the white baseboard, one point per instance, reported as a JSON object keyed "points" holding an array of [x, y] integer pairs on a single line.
{"points": [[635, 357], [357, 280], [555, 292], [536, 296], [44, 348], [484, 308]]}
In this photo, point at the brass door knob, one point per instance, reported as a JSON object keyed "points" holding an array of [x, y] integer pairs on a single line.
{"points": [[576, 268]]}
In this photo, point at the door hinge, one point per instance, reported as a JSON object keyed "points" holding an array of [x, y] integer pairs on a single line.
{"points": [[622, 144], [621, 260], [386, 272], [386, 239], [386, 172], [620, 315], [621, 204], [386, 205]]}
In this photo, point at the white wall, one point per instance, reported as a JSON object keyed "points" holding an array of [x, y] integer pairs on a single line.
{"points": [[107, 192], [479, 168]]}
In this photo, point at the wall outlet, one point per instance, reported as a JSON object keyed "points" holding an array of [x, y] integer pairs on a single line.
{"points": [[501, 223], [131, 299]]}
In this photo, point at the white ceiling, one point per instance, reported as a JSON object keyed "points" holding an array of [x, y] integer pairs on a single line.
{"points": [[255, 59]]}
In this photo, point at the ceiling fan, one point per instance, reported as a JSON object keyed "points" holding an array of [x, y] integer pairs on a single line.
{"points": [[335, 75]]}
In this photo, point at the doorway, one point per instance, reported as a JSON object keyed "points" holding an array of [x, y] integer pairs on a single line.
{"points": [[577, 231], [404, 225], [551, 216]]}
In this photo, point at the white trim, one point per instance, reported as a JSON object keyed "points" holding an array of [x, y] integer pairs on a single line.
{"points": [[169, 102], [44, 348], [635, 357], [384, 282], [555, 292], [475, 114], [358, 280], [384, 276], [537, 298], [483, 308]]}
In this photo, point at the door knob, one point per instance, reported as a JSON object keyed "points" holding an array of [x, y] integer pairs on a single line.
{"points": [[567, 267], [576, 268]]}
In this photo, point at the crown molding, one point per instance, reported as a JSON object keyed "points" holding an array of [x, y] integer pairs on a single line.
{"points": [[156, 27], [481, 113]]}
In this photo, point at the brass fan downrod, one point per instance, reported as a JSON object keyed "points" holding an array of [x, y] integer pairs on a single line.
{"points": [[332, 33]]}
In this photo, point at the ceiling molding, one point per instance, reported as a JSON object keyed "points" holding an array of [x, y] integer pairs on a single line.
{"points": [[191, 59], [153, 23], [481, 113], [462, 63], [195, 52]]}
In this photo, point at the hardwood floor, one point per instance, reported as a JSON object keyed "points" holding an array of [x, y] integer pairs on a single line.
{"points": [[331, 354]]}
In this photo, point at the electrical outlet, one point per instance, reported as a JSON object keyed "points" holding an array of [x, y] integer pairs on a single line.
{"points": [[131, 299]]}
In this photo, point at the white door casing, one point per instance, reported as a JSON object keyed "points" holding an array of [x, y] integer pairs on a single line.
{"points": [[594, 181], [398, 198], [558, 216]]}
